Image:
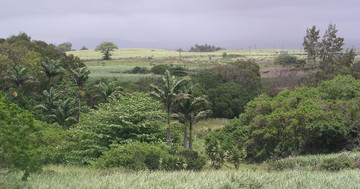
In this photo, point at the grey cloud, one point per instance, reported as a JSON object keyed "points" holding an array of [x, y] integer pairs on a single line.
{"points": [[174, 24]]}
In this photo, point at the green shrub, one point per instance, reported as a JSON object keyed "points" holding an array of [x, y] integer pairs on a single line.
{"points": [[134, 117], [285, 60], [159, 69], [193, 161], [173, 163], [224, 54], [152, 160], [139, 70], [52, 139], [18, 148], [179, 71], [134, 156], [228, 100], [214, 151], [337, 164]]}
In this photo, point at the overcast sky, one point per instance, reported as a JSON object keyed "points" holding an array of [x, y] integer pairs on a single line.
{"points": [[172, 24]]}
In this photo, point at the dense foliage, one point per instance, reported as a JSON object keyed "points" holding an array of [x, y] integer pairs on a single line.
{"points": [[134, 117], [18, 150], [306, 120], [145, 156], [230, 87], [29, 67]]}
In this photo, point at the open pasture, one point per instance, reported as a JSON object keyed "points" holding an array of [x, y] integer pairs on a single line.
{"points": [[161, 53]]}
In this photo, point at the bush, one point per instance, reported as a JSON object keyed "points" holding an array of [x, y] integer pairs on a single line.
{"points": [[139, 70], [134, 117], [173, 163], [245, 73], [193, 161], [285, 60], [18, 148], [228, 100], [178, 71], [135, 156], [152, 160], [337, 164], [159, 69], [145, 156], [174, 70]]}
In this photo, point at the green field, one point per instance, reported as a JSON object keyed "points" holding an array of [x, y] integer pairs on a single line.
{"points": [[123, 60], [160, 53]]}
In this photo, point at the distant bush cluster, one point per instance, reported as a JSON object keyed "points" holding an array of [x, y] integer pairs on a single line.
{"points": [[205, 48], [160, 69]]}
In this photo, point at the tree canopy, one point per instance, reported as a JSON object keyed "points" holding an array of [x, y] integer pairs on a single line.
{"points": [[105, 48]]}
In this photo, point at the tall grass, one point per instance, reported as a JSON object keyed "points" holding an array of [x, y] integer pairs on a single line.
{"points": [[88, 178], [310, 162]]}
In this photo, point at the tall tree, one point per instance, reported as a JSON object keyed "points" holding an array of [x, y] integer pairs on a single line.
{"points": [[166, 93], [105, 48], [189, 110], [51, 68], [80, 76], [311, 43], [329, 47]]}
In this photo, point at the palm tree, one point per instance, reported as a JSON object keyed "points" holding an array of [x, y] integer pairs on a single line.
{"points": [[63, 113], [167, 93], [111, 90], [80, 76], [190, 110], [18, 76], [50, 97], [51, 68]]}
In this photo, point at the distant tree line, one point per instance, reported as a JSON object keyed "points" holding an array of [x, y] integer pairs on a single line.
{"points": [[205, 48]]}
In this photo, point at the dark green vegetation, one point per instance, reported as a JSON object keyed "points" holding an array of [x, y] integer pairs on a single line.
{"points": [[203, 48], [304, 121], [54, 111]]}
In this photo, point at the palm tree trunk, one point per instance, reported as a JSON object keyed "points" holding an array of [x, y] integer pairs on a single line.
{"points": [[185, 138], [49, 84], [168, 128], [190, 141], [79, 104]]}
